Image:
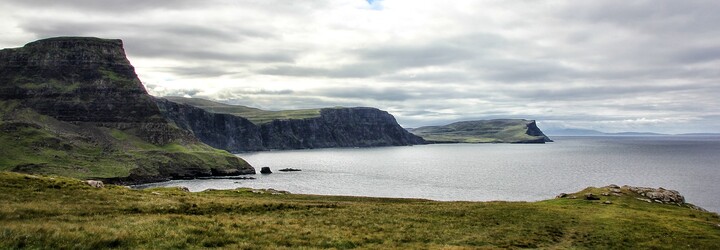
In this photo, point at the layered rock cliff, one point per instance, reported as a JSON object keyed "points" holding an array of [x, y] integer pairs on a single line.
{"points": [[74, 106], [331, 127], [484, 131]]}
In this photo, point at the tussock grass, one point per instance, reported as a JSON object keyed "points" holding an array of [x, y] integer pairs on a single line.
{"points": [[58, 212]]}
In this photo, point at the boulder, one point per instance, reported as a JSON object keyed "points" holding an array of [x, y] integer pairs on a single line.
{"points": [[561, 195], [95, 184], [591, 197], [265, 170]]}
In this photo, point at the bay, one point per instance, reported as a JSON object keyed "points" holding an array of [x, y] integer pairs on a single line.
{"points": [[485, 172]]}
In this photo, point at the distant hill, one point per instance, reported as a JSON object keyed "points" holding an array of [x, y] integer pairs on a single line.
{"points": [[484, 131]]}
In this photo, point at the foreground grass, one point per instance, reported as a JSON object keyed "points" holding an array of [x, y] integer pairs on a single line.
{"points": [[57, 212]]}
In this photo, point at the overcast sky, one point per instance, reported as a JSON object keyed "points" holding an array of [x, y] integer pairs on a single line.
{"points": [[611, 65]]}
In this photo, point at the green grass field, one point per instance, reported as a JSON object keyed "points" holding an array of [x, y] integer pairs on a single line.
{"points": [[62, 213], [256, 116]]}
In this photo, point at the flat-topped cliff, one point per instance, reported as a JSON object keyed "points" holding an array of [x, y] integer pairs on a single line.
{"points": [[74, 106], [295, 129]]}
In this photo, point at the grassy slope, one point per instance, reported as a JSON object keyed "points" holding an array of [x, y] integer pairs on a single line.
{"points": [[477, 132], [42, 212], [30, 142], [255, 115]]}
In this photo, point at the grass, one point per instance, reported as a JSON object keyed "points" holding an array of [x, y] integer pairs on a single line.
{"points": [[34, 143], [58, 212], [256, 116]]}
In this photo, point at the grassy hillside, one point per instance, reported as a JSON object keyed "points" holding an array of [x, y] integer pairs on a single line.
{"points": [[58, 212], [256, 116], [35, 143], [483, 131]]}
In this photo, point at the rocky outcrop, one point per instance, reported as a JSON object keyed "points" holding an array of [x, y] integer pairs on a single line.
{"points": [[658, 194], [82, 111], [334, 127], [613, 193]]}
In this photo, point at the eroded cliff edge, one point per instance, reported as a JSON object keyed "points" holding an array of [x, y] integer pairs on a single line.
{"points": [[331, 127], [74, 106]]}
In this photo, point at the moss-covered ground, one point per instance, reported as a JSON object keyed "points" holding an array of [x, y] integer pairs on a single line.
{"points": [[64, 213]]}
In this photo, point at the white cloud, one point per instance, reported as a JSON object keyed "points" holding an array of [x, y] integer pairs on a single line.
{"points": [[594, 64]]}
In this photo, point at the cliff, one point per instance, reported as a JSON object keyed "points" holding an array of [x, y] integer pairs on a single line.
{"points": [[295, 129], [484, 131], [74, 106]]}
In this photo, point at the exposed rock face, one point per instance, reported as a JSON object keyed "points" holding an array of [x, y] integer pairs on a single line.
{"points": [[223, 131], [335, 127], [80, 96], [338, 127], [76, 79]]}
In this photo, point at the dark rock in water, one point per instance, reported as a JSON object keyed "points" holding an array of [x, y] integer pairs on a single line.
{"points": [[265, 170], [591, 197], [332, 127], [289, 170]]}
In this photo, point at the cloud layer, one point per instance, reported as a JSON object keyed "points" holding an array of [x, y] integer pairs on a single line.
{"points": [[609, 65]]}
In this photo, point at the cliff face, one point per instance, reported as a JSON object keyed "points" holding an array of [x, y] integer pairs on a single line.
{"points": [[76, 79], [79, 109], [484, 131], [338, 127], [223, 131], [334, 127]]}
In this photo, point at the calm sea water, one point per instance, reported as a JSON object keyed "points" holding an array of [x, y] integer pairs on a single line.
{"points": [[483, 172]]}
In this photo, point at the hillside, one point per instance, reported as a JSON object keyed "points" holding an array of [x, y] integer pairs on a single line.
{"points": [[74, 106], [61, 213], [295, 129], [484, 131]]}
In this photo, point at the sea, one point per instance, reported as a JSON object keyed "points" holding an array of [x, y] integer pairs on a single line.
{"points": [[489, 172]]}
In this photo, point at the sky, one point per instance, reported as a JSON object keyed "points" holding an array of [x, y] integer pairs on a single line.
{"points": [[611, 65]]}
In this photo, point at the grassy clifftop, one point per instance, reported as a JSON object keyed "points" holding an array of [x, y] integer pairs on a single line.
{"points": [[57, 212], [255, 115]]}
